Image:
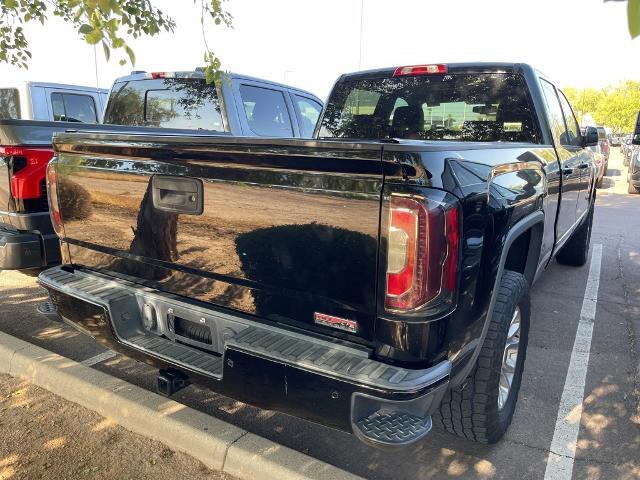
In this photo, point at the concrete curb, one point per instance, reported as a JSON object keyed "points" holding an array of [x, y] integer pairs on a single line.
{"points": [[217, 444]]}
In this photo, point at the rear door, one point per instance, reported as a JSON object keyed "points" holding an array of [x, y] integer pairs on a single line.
{"points": [[580, 154], [288, 230], [570, 158]]}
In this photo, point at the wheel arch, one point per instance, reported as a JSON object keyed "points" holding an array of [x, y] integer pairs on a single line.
{"points": [[532, 225]]}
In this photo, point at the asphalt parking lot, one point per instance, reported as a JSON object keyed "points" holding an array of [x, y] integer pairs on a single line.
{"points": [[608, 442]]}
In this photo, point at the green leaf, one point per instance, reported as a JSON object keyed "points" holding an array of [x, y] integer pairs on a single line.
{"points": [[94, 37], [85, 29], [10, 3], [132, 56], [633, 14], [105, 5], [107, 52]]}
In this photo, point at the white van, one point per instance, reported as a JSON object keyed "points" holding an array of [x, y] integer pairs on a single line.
{"points": [[52, 102]]}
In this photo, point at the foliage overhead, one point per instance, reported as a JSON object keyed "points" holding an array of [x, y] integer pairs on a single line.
{"points": [[633, 16], [633, 13], [615, 106], [110, 23]]}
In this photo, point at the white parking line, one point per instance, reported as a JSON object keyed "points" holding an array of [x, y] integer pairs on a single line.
{"points": [[565, 436], [101, 357]]}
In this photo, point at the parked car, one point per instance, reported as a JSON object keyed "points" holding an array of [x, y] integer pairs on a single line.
{"points": [[147, 103], [374, 280], [239, 104], [52, 102], [627, 147], [615, 140], [605, 148], [633, 175], [598, 158]]}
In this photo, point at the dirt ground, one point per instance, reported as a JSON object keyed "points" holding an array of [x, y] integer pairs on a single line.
{"points": [[45, 437]]}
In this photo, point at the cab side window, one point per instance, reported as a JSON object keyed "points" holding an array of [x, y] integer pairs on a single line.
{"points": [[266, 111], [558, 127], [309, 112], [574, 138], [72, 107]]}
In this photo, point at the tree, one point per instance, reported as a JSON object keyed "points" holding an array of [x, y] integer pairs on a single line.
{"points": [[615, 106], [107, 22]]}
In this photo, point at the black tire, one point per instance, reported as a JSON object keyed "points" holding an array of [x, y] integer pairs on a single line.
{"points": [[576, 251], [631, 188], [471, 410]]}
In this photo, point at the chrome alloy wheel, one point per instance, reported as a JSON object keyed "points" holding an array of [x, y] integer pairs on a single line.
{"points": [[509, 359]]}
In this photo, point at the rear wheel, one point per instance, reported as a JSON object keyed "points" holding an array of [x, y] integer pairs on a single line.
{"points": [[631, 188], [576, 251], [482, 408]]}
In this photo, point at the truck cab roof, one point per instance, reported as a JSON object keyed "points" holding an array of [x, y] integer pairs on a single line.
{"points": [[140, 75], [462, 67], [66, 86]]}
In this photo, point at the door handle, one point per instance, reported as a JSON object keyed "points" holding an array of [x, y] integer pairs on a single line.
{"points": [[177, 194]]}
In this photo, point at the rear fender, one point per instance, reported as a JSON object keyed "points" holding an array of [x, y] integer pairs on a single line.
{"points": [[468, 356], [515, 197]]}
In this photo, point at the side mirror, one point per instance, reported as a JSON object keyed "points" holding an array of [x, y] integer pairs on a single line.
{"points": [[590, 137], [636, 134]]}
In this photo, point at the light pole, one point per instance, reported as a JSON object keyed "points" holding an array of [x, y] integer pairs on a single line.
{"points": [[360, 51]]}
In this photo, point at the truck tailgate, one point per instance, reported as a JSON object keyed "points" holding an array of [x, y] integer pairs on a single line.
{"points": [[284, 230]]}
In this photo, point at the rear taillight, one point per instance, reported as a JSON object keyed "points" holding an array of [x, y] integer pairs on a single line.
{"points": [[52, 192], [422, 252], [420, 70], [27, 169]]}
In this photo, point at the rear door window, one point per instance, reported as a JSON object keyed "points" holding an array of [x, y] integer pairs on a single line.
{"points": [[183, 103], [309, 112], [471, 107], [266, 111], [9, 103], [72, 107]]}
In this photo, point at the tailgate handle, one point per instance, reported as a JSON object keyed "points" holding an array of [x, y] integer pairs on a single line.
{"points": [[177, 194]]}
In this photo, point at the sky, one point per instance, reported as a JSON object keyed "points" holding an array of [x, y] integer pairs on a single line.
{"points": [[308, 44]]}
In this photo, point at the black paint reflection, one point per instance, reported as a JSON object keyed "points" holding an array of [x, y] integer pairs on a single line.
{"points": [[310, 258], [155, 235]]}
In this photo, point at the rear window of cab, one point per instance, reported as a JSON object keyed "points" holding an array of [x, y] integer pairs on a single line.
{"points": [[480, 107], [186, 103], [9, 103]]}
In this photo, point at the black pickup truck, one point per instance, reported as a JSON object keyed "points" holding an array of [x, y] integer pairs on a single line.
{"points": [[374, 279]]}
